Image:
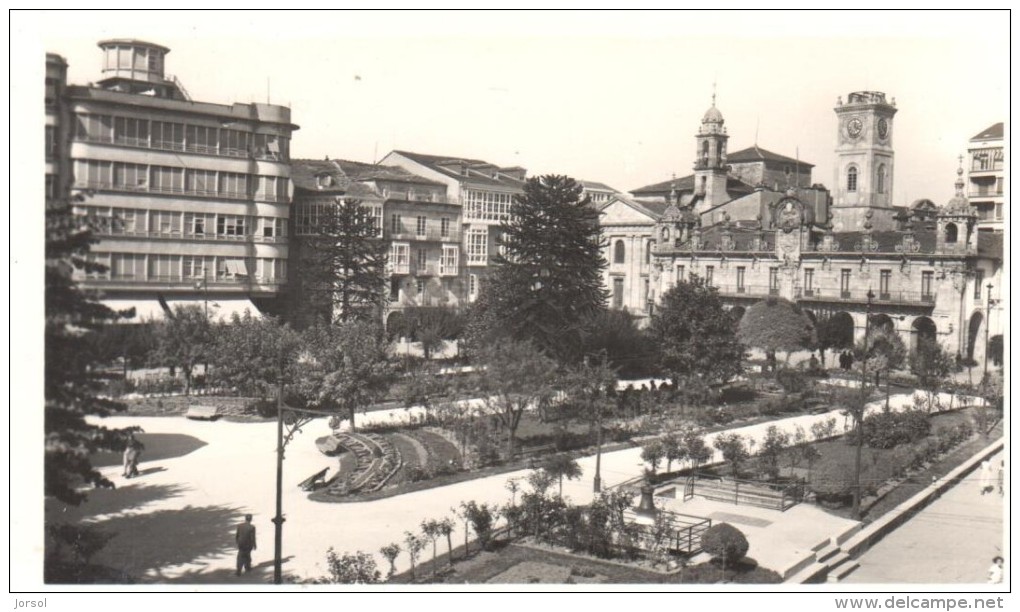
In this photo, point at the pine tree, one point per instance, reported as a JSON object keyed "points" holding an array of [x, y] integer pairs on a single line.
{"points": [[343, 268], [546, 285], [71, 389]]}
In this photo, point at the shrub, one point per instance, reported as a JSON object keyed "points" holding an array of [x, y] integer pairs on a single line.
{"points": [[833, 482], [359, 568], [792, 381], [724, 542], [891, 429]]}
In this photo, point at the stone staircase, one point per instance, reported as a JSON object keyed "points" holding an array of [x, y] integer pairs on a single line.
{"points": [[376, 461]]}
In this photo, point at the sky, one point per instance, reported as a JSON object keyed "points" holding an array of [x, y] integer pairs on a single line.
{"points": [[610, 97]]}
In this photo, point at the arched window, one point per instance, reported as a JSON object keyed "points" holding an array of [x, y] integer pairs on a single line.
{"points": [[951, 233], [619, 252], [880, 179], [704, 150], [851, 179]]}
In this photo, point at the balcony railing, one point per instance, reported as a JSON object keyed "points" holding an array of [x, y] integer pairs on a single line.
{"points": [[412, 196], [180, 190], [429, 235], [427, 269], [186, 147], [747, 290], [183, 281], [861, 296], [174, 235], [400, 268]]}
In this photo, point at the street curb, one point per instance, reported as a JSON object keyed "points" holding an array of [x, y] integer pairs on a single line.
{"points": [[869, 535]]}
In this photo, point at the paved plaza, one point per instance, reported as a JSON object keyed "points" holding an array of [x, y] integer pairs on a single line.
{"points": [[175, 523]]}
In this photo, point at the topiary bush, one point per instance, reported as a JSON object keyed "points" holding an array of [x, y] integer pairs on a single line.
{"points": [[724, 542], [891, 429]]}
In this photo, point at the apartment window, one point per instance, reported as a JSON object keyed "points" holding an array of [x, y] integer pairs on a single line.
{"points": [[201, 182], [844, 283], [233, 185], [709, 275], [448, 264], [51, 141], [420, 286], [131, 131], [395, 224], [681, 273], [196, 223], [164, 267], [272, 227], [979, 280], [164, 222], [422, 259], [231, 268], [444, 227], [235, 143], [125, 221], [927, 280], [168, 135], [272, 189], [167, 180], [229, 225], [619, 252], [998, 211], [884, 283], [851, 179], [773, 281], [201, 139], [400, 253], [271, 146], [94, 128], [617, 293], [486, 205], [127, 266], [91, 173], [130, 176], [478, 246], [809, 281], [420, 227], [741, 270]]}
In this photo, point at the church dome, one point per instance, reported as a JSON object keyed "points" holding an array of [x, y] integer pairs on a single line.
{"points": [[958, 204], [712, 115]]}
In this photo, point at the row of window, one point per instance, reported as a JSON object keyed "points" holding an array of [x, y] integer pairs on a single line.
{"points": [[852, 175], [98, 174], [309, 217], [181, 268], [128, 221], [132, 58], [421, 226], [175, 136], [419, 286], [986, 160], [486, 205], [400, 257], [620, 252]]}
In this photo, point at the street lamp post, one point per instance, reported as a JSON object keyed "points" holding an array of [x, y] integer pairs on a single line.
{"points": [[861, 409], [988, 325]]}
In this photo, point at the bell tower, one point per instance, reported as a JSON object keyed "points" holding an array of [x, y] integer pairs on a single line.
{"points": [[864, 161], [710, 169]]}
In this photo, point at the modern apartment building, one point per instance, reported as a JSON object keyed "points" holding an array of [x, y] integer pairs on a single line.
{"points": [[191, 199], [986, 177]]}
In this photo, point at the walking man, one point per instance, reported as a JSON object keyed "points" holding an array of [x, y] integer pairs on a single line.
{"points": [[245, 538], [132, 451]]}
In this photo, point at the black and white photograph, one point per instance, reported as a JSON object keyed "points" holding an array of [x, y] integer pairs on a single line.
{"points": [[692, 303]]}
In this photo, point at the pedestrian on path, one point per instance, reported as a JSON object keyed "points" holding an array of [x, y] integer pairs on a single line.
{"points": [[995, 571], [245, 538], [985, 478], [132, 452]]}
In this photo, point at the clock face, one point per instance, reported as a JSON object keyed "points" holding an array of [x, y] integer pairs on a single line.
{"points": [[854, 127], [883, 128]]}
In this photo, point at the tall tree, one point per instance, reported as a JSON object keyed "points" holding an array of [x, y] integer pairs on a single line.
{"points": [[347, 367], [561, 466], [342, 275], [518, 377], [547, 279], [256, 353], [887, 347], [432, 326], [70, 388], [776, 324], [932, 365], [696, 337], [183, 340]]}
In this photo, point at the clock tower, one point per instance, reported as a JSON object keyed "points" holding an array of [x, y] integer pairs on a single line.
{"points": [[864, 162], [711, 172]]}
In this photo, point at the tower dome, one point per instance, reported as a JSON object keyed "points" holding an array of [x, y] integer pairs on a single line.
{"points": [[958, 203], [712, 115]]}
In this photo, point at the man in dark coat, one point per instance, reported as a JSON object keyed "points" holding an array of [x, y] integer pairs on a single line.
{"points": [[245, 538]]}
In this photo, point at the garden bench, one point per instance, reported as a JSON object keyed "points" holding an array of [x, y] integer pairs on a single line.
{"points": [[313, 481], [202, 412]]}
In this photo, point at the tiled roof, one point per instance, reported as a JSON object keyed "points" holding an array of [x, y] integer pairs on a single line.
{"points": [[596, 185], [989, 244], [685, 183], [993, 131], [756, 153], [436, 163], [304, 172], [360, 171]]}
